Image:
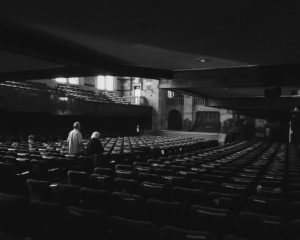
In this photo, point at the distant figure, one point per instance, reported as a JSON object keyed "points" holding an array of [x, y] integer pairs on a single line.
{"points": [[31, 139], [138, 130], [94, 148], [75, 141]]}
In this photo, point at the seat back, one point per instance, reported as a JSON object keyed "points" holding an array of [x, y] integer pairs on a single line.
{"points": [[127, 229]]}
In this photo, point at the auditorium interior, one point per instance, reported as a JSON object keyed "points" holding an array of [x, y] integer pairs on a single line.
{"points": [[197, 105]]}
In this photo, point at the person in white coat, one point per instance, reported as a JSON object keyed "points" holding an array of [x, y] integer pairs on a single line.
{"points": [[75, 141]]}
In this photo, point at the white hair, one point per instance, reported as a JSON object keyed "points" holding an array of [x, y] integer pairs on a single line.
{"points": [[95, 135]]}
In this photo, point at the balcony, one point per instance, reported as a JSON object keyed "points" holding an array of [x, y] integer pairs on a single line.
{"points": [[136, 100], [175, 101], [198, 101]]}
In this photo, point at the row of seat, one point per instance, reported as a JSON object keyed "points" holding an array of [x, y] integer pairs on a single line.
{"points": [[112, 146], [27, 86], [50, 220], [89, 95], [233, 184], [76, 92]]}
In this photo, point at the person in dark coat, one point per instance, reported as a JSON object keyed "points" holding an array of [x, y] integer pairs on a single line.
{"points": [[95, 149]]}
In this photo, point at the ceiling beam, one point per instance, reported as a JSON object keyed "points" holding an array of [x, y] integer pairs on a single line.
{"points": [[258, 103], [26, 41], [249, 76], [50, 73]]}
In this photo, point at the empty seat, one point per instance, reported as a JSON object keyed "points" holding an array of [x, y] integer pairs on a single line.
{"points": [[8, 178], [127, 229], [104, 171], [189, 195], [125, 185], [175, 233], [162, 212], [6, 236], [266, 226], [234, 188], [127, 205], [78, 178], [65, 194], [95, 199], [86, 224], [103, 182], [48, 220], [124, 174], [164, 172], [269, 206], [14, 214], [230, 201], [173, 181], [212, 177], [293, 210], [39, 169], [39, 190], [154, 190], [207, 185], [123, 167], [216, 220], [293, 196], [147, 177], [294, 230]]}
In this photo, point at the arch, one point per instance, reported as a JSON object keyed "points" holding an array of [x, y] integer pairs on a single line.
{"points": [[207, 121], [174, 120]]}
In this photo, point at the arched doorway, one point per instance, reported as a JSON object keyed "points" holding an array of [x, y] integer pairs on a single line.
{"points": [[174, 120], [207, 121]]}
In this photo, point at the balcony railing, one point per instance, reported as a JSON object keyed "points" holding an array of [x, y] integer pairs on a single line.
{"points": [[136, 100], [199, 101], [175, 101]]}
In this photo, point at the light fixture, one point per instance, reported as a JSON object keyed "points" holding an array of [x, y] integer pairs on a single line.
{"points": [[202, 60]]}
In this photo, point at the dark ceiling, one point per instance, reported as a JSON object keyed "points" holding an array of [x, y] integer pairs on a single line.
{"points": [[157, 39]]}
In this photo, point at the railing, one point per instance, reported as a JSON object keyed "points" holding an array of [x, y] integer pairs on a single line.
{"points": [[136, 100], [175, 101], [198, 101]]}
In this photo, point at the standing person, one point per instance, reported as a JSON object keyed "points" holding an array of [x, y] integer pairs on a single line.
{"points": [[94, 148], [75, 141]]}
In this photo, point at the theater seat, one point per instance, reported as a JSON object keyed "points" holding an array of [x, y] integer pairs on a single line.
{"points": [[126, 185], [104, 171], [269, 206], [65, 194], [7, 177], [230, 201], [127, 205], [6, 236], [127, 229], [155, 190], [101, 182], [293, 210], [95, 199], [163, 212], [189, 196], [294, 230], [39, 190], [175, 233], [78, 178], [86, 224], [147, 177], [48, 221], [266, 226], [215, 220], [14, 214]]}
